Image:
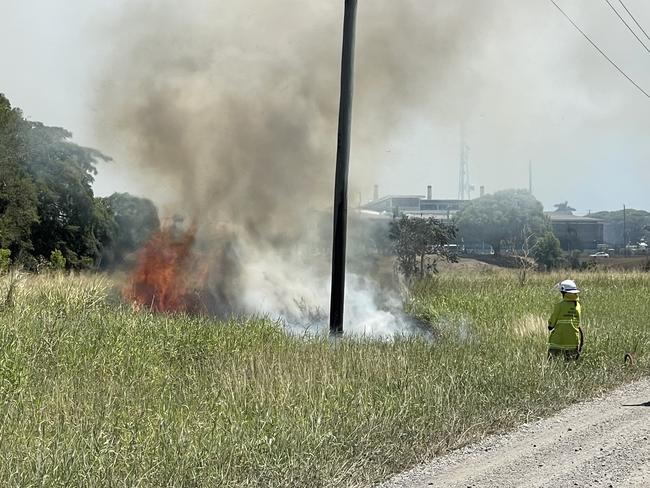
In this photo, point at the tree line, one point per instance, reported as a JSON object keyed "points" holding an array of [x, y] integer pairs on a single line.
{"points": [[49, 214]]}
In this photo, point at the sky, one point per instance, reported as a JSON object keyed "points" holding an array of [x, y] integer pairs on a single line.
{"points": [[528, 88]]}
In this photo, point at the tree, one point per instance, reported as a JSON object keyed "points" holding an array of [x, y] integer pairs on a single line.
{"points": [[416, 239], [46, 197], [17, 193], [547, 251], [637, 224], [501, 218], [564, 208], [62, 173], [131, 222], [523, 256]]}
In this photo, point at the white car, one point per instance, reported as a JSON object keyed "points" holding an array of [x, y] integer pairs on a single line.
{"points": [[600, 254]]}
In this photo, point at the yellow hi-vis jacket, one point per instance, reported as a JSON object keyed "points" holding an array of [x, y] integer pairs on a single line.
{"points": [[565, 324]]}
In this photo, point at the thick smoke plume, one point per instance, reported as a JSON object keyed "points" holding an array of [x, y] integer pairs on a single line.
{"points": [[230, 108]]}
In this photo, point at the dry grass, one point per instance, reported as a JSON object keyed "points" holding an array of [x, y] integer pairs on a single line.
{"points": [[95, 394]]}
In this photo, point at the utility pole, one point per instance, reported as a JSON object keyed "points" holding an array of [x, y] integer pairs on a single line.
{"points": [[342, 164]]}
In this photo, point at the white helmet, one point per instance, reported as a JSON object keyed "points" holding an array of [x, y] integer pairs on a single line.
{"points": [[568, 286]]}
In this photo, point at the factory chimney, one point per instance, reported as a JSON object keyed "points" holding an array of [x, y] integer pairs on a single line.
{"points": [[429, 192], [482, 190]]}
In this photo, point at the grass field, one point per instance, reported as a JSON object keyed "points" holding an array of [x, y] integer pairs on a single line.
{"points": [[95, 394]]}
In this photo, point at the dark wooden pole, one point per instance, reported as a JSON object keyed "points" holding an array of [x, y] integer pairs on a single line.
{"points": [[342, 163]]}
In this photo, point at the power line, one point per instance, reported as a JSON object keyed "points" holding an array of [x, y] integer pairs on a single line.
{"points": [[600, 50], [627, 25], [634, 19]]}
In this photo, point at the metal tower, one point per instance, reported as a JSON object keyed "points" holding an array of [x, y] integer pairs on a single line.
{"points": [[464, 186]]}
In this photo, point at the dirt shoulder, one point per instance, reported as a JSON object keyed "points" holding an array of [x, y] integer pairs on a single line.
{"points": [[601, 443]]}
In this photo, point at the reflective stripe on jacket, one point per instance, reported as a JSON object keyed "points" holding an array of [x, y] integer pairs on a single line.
{"points": [[565, 321]]}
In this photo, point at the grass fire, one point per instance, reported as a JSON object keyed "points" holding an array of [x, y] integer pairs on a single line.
{"points": [[167, 276], [164, 298]]}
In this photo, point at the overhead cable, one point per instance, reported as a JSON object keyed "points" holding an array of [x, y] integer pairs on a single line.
{"points": [[627, 25], [600, 50], [634, 19]]}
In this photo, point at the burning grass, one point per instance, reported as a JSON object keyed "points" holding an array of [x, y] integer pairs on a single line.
{"points": [[94, 394], [167, 276]]}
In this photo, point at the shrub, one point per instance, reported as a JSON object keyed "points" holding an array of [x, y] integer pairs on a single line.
{"points": [[5, 259], [57, 261], [547, 251], [575, 262]]}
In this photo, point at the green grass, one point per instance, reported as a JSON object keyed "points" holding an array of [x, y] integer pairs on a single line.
{"points": [[95, 394]]}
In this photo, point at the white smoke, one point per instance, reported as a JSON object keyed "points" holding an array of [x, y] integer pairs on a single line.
{"points": [[290, 290]]}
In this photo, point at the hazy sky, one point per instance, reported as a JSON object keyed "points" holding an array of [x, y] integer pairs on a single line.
{"points": [[526, 84]]}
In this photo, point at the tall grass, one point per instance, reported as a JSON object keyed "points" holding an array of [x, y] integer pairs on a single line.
{"points": [[95, 394]]}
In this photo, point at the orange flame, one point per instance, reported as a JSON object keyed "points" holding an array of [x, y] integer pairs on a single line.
{"points": [[165, 275]]}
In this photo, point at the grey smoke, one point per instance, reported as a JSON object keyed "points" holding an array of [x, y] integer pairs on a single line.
{"points": [[232, 108]]}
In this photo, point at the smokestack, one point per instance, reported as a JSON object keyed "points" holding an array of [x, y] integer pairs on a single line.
{"points": [[375, 195], [429, 192], [482, 190]]}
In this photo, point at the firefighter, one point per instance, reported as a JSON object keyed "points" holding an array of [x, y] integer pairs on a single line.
{"points": [[566, 336]]}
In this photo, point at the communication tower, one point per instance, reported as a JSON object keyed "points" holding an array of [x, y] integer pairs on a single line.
{"points": [[464, 186]]}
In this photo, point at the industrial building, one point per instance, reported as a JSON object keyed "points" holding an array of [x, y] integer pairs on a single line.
{"points": [[573, 231], [576, 232], [415, 205]]}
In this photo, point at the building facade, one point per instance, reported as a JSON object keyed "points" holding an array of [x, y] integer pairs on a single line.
{"points": [[575, 232], [416, 206]]}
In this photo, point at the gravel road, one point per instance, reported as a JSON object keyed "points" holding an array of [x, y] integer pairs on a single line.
{"points": [[601, 443]]}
